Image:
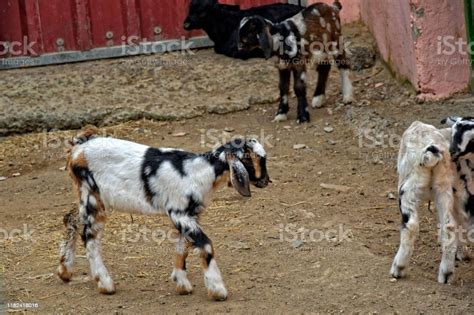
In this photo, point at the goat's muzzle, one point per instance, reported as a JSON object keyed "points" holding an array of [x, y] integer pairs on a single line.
{"points": [[262, 183]]}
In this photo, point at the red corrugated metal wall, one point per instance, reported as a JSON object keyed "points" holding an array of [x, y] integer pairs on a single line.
{"points": [[36, 27]]}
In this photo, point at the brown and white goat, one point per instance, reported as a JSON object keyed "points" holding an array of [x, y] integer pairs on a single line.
{"points": [[309, 38], [126, 176]]}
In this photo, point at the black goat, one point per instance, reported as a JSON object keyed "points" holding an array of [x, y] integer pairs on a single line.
{"points": [[221, 23]]}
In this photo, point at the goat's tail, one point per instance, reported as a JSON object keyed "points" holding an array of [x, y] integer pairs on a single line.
{"points": [[450, 121], [337, 5], [85, 135], [431, 156]]}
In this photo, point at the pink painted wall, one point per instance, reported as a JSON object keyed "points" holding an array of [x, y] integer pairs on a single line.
{"points": [[350, 9], [389, 22], [407, 34], [438, 74]]}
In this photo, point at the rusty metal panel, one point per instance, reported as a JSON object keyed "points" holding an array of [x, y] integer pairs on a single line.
{"points": [[55, 26], [82, 29], [11, 29], [107, 24]]}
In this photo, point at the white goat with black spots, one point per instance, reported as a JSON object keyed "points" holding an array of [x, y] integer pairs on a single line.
{"points": [[462, 154], [425, 173], [130, 177]]}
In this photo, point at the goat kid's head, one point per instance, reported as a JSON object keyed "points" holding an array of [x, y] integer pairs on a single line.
{"points": [[247, 162], [462, 136], [254, 32], [198, 10]]}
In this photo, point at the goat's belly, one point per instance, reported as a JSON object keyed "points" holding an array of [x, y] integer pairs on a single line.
{"points": [[126, 199], [123, 190]]}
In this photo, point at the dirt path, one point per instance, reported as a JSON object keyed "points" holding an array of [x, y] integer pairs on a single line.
{"points": [[265, 269], [262, 271]]}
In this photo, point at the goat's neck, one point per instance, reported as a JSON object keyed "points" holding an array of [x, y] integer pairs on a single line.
{"points": [[214, 27], [213, 158]]}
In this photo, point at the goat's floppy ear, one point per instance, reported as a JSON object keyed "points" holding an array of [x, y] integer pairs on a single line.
{"points": [[266, 42], [450, 121], [239, 177]]}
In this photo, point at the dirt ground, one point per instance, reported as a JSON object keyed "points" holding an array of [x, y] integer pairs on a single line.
{"points": [[271, 249]]}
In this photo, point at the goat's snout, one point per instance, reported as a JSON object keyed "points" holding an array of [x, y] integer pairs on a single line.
{"points": [[262, 183]]}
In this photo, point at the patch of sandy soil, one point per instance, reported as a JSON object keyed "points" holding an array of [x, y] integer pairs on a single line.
{"points": [[157, 87]]}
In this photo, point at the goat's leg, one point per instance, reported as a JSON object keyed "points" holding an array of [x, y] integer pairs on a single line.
{"points": [[183, 286], [68, 245], [212, 275], [320, 94], [92, 212], [299, 74], [191, 230], [408, 233], [344, 68], [462, 252], [448, 232], [283, 108]]}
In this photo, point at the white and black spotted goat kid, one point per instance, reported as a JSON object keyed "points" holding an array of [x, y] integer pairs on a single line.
{"points": [[130, 177], [462, 152], [311, 37], [425, 173], [462, 144]]}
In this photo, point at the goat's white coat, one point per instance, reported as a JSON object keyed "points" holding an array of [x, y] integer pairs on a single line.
{"points": [[280, 117], [116, 165], [298, 20], [425, 176], [347, 93], [318, 101]]}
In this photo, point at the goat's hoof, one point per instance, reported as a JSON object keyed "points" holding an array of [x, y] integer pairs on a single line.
{"points": [[303, 119], [318, 101], [444, 276], [106, 286], [220, 295], [183, 290], [348, 99], [64, 274], [107, 291], [397, 272], [183, 286], [462, 255], [280, 117]]}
